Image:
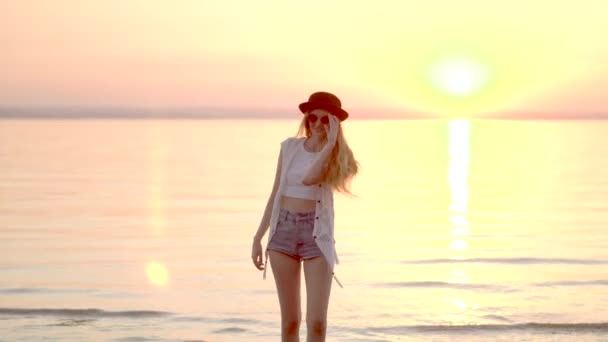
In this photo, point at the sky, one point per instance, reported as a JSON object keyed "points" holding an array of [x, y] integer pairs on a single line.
{"points": [[474, 58]]}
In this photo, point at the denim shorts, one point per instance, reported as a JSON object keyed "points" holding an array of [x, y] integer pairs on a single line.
{"points": [[293, 235]]}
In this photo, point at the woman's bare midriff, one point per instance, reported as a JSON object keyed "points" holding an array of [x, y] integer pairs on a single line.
{"points": [[297, 205]]}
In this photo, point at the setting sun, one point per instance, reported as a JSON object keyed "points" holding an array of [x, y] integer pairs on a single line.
{"points": [[458, 76]]}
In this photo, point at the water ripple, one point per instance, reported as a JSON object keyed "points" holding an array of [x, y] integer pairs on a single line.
{"points": [[82, 313], [443, 284], [601, 327], [514, 261]]}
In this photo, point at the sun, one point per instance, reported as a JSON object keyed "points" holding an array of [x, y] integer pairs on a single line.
{"points": [[458, 76]]}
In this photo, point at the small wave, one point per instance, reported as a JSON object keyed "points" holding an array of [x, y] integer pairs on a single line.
{"points": [[65, 291], [188, 319], [73, 323], [486, 287], [477, 328], [239, 321], [443, 284], [96, 313], [137, 339], [225, 321], [515, 261], [229, 330], [497, 318], [573, 283], [30, 290]]}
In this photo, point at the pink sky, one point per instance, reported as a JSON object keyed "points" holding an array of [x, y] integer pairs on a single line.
{"points": [[540, 57]]}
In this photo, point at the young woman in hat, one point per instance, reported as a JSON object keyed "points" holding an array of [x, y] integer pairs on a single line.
{"points": [[300, 214]]}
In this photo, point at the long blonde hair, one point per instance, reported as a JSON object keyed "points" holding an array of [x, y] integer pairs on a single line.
{"points": [[342, 166]]}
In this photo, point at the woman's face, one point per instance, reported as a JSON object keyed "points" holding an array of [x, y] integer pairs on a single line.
{"points": [[318, 118]]}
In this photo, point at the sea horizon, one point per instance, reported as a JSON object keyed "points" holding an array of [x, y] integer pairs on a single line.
{"points": [[146, 113]]}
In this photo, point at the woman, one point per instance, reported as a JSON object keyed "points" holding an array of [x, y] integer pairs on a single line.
{"points": [[300, 214]]}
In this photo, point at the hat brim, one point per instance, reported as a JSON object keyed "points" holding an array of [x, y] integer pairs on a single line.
{"points": [[340, 113]]}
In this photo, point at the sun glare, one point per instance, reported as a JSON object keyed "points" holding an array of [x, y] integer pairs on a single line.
{"points": [[458, 76]]}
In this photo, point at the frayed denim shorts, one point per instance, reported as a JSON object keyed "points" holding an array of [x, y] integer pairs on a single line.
{"points": [[293, 235]]}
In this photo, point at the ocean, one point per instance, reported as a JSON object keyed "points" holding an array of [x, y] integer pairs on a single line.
{"points": [[459, 230]]}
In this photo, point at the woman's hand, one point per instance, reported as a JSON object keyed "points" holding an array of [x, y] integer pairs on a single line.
{"points": [[256, 254], [331, 130]]}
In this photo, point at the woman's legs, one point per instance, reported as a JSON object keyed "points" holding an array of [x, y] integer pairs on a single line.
{"points": [[318, 288], [286, 271]]}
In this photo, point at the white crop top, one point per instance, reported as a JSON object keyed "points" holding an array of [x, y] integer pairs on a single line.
{"points": [[299, 166]]}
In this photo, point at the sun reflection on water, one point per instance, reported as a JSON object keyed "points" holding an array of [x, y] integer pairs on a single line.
{"points": [[458, 181], [458, 173]]}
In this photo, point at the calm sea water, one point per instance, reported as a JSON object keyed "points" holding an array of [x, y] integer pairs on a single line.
{"points": [[127, 230]]}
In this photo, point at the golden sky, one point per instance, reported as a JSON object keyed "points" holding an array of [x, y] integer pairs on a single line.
{"points": [[468, 57]]}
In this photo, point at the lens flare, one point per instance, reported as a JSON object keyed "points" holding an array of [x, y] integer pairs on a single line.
{"points": [[157, 273]]}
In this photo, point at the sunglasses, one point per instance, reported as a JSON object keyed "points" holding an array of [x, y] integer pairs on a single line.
{"points": [[313, 118]]}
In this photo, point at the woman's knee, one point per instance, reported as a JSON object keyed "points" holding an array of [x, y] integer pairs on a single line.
{"points": [[291, 326], [317, 326]]}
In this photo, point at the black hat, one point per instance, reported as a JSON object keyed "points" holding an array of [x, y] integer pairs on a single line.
{"points": [[327, 101]]}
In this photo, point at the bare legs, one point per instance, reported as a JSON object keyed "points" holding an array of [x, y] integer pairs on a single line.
{"points": [[286, 272], [318, 288]]}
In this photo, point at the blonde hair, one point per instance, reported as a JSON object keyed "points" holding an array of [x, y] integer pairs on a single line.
{"points": [[342, 166]]}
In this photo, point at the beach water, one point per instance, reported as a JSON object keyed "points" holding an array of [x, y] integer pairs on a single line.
{"points": [[462, 230]]}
